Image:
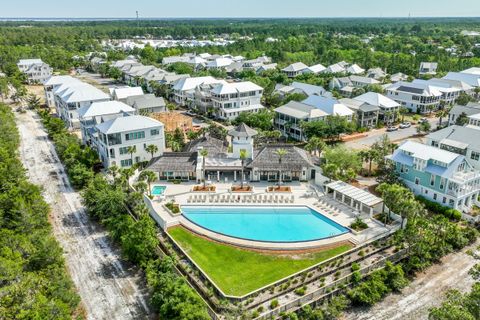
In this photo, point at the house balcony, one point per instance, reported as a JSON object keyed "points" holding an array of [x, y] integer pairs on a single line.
{"points": [[464, 177]]}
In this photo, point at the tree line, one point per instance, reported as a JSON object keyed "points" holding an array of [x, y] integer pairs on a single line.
{"points": [[34, 283]]}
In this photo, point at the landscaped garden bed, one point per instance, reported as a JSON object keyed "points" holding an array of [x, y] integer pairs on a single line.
{"points": [[173, 207], [359, 225], [240, 189], [204, 189], [279, 189], [384, 218]]}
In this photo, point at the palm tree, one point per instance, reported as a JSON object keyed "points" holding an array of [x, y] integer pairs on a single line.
{"points": [[152, 149], [280, 153], [113, 171], [204, 154], [243, 156], [315, 145], [176, 146], [131, 150], [442, 113], [150, 177], [403, 111]]}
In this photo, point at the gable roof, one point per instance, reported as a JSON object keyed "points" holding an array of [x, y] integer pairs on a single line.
{"points": [[146, 101], [125, 92], [469, 78], [235, 87], [295, 67], [461, 134], [377, 99], [355, 69], [309, 89], [185, 84], [130, 123], [71, 92], [301, 110], [104, 108], [328, 105]]}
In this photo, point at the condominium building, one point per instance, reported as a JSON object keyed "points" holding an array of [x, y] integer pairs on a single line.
{"points": [[417, 97], [123, 141]]}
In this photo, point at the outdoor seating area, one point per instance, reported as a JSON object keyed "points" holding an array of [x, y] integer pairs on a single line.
{"points": [[242, 198]]}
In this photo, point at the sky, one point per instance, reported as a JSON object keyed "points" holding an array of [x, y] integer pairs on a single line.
{"points": [[240, 8]]}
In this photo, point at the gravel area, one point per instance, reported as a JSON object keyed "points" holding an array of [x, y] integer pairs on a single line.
{"points": [[109, 287], [425, 291]]}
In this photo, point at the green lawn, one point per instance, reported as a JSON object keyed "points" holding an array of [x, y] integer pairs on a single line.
{"points": [[237, 271]]}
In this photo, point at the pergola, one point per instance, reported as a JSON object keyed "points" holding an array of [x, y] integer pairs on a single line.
{"points": [[359, 199]]}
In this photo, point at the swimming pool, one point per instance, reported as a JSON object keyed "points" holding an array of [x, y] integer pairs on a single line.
{"points": [[280, 224], [158, 190]]}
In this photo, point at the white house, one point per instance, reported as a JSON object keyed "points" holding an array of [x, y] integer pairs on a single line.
{"points": [[219, 63], [330, 106], [147, 103], [231, 99], [117, 135], [336, 68], [299, 87], [418, 97], [355, 69], [71, 96], [36, 70], [428, 68], [53, 83], [97, 113], [295, 69], [457, 111], [122, 93], [388, 107], [450, 89], [184, 88], [315, 69], [469, 76]]}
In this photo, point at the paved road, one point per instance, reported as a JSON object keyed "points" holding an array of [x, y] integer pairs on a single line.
{"points": [[395, 136], [109, 287]]}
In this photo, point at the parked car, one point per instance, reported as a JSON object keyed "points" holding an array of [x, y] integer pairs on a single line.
{"points": [[405, 125], [423, 120], [392, 128]]}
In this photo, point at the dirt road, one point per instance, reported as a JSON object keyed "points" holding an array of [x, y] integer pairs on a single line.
{"points": [[425, 291], [109, 288]]}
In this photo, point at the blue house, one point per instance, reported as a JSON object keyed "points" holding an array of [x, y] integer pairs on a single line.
{"points": [[439, 175]]}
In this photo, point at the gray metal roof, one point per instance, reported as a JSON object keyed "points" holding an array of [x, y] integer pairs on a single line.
{"points": [[242, 131], [174, 161], [464, 135]]}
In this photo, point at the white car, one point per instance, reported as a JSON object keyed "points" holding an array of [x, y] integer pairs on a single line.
{"points": [[405, 125]]}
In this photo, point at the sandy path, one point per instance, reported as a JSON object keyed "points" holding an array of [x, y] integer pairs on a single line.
{"points": [[425, 291], [109, 288]]}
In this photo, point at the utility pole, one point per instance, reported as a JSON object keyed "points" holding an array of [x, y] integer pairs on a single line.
{"points": [[138, 21]]}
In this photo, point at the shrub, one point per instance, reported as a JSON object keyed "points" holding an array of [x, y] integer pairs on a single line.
{"points": [[301, 291], [273, 304], [358, 225], [355, 267], [437, 208]]}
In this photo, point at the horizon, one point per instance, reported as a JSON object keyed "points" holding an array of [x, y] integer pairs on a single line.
{"points": [[208, 9]]}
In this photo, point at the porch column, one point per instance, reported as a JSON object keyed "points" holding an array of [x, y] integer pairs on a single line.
{"points": [[351, 202], [235, 175], [218, 176], [371, 212], [334, 194], [361, 207], [343, 198]]}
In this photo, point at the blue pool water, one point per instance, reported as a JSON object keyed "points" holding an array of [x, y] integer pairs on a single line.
{"points": [[158, 190], [281, 224]]}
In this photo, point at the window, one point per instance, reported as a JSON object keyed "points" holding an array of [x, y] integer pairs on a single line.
{"points": [[434, 196], [417, 181], [432, 180], [135, 135], [444, 200], [123, 150], [442, 183], [154, 132], [475, 156], [126, 163]]}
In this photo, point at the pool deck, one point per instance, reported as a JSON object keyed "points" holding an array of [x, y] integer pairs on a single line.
{"points": [[303, 196]]}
